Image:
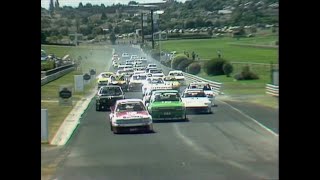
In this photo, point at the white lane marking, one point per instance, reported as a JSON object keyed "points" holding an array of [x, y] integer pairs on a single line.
{"points": [[202, 151], [261, 125]]}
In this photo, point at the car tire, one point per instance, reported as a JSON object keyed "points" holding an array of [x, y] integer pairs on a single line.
{"points": [[111, 128], [150, 128], [115, 130], [97, 108]]}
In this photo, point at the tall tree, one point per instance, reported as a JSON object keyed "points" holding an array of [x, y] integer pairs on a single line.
{"points": [[80, 5], [51, 7], [57, 5], [103, 16], [133, 3]]}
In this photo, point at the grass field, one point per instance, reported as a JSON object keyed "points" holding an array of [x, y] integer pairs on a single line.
{"points": [[207, 48], [99, 59], [247, 90]]}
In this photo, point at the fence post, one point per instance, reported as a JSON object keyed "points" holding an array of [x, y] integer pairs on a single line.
{"points": [[44, 125]]}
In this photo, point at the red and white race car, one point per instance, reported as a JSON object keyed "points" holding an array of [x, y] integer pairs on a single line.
{"points": [[130, 115]]}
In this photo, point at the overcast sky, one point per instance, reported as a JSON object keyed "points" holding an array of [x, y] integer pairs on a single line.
{"points": [[75, 3]]}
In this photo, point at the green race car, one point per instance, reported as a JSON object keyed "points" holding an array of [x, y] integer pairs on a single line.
{"points": [[166, 105]]}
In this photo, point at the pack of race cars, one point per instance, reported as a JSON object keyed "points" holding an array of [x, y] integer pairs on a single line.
{"points": [[163, 97]]}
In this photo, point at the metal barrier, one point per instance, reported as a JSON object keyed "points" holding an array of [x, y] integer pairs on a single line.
{"points": [[56, 75], [215, 85], [272, 90]]}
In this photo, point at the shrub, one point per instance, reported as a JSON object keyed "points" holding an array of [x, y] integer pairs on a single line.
{"points": [[227, 69], [45, 66], [214, 66], [184, 64], [246, 74], [193, 68], [177, 60]]}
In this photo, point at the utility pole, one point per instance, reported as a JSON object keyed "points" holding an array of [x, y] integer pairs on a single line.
{"points": [[152, 29], [142, 36]]}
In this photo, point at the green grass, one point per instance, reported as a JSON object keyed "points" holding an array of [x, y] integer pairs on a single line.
{"points": [[247, 90], [99, 59], [207, 48]]}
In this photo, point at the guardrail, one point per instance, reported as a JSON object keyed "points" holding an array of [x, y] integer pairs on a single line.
{"points": [[56, 75], [216, 86], [55, 70], [272, 90]]}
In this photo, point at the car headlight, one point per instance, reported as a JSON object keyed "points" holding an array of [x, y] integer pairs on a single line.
{"points": [[207, 103]]}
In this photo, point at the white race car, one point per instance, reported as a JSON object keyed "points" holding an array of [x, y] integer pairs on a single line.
{"points": [[130, 115], [178, 75], [155, 83], [136, 81], [208, 90], [195, 100]]}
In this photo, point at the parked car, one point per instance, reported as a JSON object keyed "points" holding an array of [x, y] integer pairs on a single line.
{"points": [[166, 105], [130, 115], [107, 96]]}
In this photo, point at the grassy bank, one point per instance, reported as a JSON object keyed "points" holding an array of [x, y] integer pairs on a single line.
{"points": [[97, 58]]}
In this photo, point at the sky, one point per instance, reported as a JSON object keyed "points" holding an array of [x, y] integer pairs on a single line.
{"points": [[75, 3]]}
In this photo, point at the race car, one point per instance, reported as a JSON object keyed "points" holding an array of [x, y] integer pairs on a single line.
{"points": [[166, 105], [171, 80], [155, 83], [208, 90], [103, 78], [119, 80], [195, 100], [178, 75], [107, 96], [130, 115], [136, 81]]}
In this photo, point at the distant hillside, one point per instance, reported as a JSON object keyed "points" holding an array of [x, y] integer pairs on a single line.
{"points": [[90, 20]]}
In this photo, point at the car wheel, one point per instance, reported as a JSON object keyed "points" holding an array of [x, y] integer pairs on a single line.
{"points": [[209, 111], [111, 128], [115, 130], [97, 108], [150, 128]]}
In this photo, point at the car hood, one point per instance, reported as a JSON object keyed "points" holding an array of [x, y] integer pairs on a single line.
{"points": [[132, 115], [195, 101]]}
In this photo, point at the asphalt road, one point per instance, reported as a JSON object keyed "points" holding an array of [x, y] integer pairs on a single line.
{"points": [[220, 146]]}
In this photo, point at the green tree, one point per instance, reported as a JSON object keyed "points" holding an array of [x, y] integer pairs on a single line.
{"points": [[113, 38], [227, 68], [57, 5], [51, 7], [116, 30], [43, 37], [133, 3], [103, 16], [80, 5], [214, 66]]}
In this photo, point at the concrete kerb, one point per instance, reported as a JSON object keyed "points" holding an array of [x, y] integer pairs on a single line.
{"points": [[71, 121]]}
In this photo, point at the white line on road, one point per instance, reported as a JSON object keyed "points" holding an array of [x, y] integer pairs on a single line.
{"points": [[261, 125]]}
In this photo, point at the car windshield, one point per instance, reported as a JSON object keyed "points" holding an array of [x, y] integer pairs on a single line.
{"points": [[156, 81], [132, 106], [139, 77], [195, 94], [155, 71], [111, 91], [166, 97], [176, 74]]}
